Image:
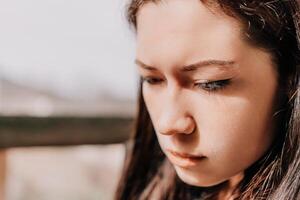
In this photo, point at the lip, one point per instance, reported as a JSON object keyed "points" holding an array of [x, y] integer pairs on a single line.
{"points": [[184, 160]]}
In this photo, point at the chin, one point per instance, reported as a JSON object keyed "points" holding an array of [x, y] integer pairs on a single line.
{"points": [[191, 178]]}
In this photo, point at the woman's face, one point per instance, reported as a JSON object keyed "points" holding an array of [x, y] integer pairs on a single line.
{"points": [[210, 94]]}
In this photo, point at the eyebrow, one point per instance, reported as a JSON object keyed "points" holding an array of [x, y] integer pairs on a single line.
{"points": [[192, 67]]}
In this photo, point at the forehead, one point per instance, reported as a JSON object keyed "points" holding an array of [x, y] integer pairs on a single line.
{"points": [[184, 29]]}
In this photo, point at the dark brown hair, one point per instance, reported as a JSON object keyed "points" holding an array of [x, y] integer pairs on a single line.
{"points": [[272, 25]]}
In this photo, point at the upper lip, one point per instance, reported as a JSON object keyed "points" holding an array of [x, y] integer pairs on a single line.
{"points": [[185, 155]]}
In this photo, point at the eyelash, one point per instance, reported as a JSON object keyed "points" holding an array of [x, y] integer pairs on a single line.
{"points": [[151, 80], [210, 86]]}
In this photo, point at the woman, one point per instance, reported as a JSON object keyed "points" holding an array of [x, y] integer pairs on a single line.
{"points": [[219, 108]]}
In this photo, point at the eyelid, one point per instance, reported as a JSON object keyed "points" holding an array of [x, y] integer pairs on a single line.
{"points": [[213, 86], [218, 77], [211, 80], [152, 80]]}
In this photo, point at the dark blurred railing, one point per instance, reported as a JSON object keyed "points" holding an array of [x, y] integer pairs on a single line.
{"points": [[58, 131]]}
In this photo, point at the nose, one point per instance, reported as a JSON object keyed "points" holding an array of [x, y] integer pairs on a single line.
{"points": [[174, 119]]}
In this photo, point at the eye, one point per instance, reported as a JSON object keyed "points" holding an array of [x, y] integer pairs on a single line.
{"points": [[213, 85], [151, 80]]}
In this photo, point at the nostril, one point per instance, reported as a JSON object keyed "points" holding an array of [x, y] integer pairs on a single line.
{"points": [[181, 126], [186, 125], [190, 126], [191, 129], [167, 130]]}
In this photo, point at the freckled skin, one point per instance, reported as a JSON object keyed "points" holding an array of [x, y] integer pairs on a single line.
{"points": [[232, 127]]}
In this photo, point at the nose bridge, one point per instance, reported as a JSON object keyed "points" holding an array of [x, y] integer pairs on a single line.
{"points": [[175, 117], [173, 104]]}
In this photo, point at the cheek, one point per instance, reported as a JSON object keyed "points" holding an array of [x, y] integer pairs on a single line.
{"points": [[236, 130], [224, 133], [152, 100]]}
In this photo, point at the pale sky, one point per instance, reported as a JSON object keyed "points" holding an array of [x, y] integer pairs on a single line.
{"points": [[75, 48]]}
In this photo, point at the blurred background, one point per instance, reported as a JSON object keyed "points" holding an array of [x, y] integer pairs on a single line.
{"points": [[67, 98]]}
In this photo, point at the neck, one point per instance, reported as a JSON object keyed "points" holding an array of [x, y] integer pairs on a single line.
{"points": [[227, 193]]}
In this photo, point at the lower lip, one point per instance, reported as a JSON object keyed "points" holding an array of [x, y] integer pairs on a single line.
{"points": [[183, 161]]}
